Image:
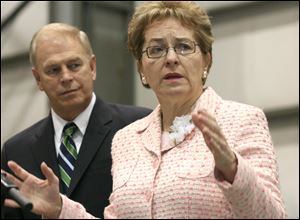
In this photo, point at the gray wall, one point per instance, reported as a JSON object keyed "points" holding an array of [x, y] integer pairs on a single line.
{"points": [[19, 93]]}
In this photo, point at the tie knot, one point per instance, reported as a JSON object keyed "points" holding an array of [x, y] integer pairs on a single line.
{"points": [[69, 129]]}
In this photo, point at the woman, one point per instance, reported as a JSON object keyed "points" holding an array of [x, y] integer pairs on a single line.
{"points": [[196, 155]]}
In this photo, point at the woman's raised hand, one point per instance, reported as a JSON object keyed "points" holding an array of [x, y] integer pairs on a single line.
{"points": [[225, 159], [44, 194]]}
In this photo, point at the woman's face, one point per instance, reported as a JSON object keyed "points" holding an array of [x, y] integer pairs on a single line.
{"points": [[173, 74]]}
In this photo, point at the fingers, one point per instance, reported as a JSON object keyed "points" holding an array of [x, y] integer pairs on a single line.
{"points": [[203, 119], [11, 203], [49, 174], [210, 141], [218, 140], [23, 174], [225, 159], [211, 131], [18, 171], [13, 179]]}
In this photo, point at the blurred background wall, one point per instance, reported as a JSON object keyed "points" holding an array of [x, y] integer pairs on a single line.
{"points": [[255, 61]]}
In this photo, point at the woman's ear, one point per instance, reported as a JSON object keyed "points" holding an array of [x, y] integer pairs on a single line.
{"points": [[207, 61], [139, 66], [142, 76], [139, 69]]}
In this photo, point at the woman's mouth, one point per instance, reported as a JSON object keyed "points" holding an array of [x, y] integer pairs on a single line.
{"points": [[172, 76]]}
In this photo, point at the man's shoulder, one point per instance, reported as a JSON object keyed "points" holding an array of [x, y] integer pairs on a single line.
{"points": [[122, 109], [128, 113], [27, 134]]}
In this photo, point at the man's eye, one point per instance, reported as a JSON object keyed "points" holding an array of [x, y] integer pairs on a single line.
{"points": [[74, 66], [53, 70]]}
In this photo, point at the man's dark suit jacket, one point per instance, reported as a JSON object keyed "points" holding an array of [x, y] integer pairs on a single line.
{"points": [[91, 184]]}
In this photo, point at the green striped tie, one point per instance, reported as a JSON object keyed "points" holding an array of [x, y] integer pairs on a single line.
{"points": [[67, 156]]}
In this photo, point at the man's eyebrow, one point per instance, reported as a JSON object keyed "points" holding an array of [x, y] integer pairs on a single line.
{"points": [[74, 59], [55, 63], [50, 64]]}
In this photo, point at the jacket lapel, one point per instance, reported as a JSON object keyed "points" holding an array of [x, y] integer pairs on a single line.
{"points": [[150, 130], [209, 100], [44, 149], [150, 127], [98, 127]]}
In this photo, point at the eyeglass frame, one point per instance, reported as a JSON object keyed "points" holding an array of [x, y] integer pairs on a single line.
{"points": [[166, 50]]}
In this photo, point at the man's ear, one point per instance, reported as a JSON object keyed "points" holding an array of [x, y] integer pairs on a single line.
{"points": [[37, 78], [93, 66]]}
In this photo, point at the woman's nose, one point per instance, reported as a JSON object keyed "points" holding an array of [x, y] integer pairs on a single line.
{"points": [[171, 56]]}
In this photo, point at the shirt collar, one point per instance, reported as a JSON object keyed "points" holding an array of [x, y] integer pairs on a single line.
{"points": [[81, 120]]}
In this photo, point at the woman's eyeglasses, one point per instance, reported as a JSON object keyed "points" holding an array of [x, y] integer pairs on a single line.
{"points": [[181, 48]]}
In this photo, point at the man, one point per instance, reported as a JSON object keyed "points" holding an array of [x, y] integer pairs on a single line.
{"points": [[64, 67]]}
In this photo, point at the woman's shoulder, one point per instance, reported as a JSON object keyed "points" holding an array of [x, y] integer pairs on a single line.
{"points": [[213, 102], [240, 111], [239, 107]]}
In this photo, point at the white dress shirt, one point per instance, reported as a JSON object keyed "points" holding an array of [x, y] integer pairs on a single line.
{"points": [[81, 121]]}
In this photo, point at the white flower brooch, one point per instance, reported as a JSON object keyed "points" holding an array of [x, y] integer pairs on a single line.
{"points": [[181, 127]]}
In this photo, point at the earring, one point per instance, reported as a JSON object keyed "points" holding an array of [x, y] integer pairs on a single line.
{"points": [[144, 81], [204, 76]]}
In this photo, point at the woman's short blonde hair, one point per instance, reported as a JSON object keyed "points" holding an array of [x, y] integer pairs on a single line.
{"points": [[190, 14], [59, 28]]}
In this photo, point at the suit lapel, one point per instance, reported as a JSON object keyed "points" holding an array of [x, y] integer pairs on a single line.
{"points": [[98, 127], [150, 131], [44, 149]]}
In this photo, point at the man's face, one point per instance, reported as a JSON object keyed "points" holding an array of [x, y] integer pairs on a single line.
{"points": [[65, 72]]}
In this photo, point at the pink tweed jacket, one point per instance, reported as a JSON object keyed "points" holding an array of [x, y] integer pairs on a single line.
{"points": [[179, 182]]}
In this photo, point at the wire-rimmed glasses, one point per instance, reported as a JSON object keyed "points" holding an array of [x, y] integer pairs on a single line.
{"points": [[182, 48]]}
